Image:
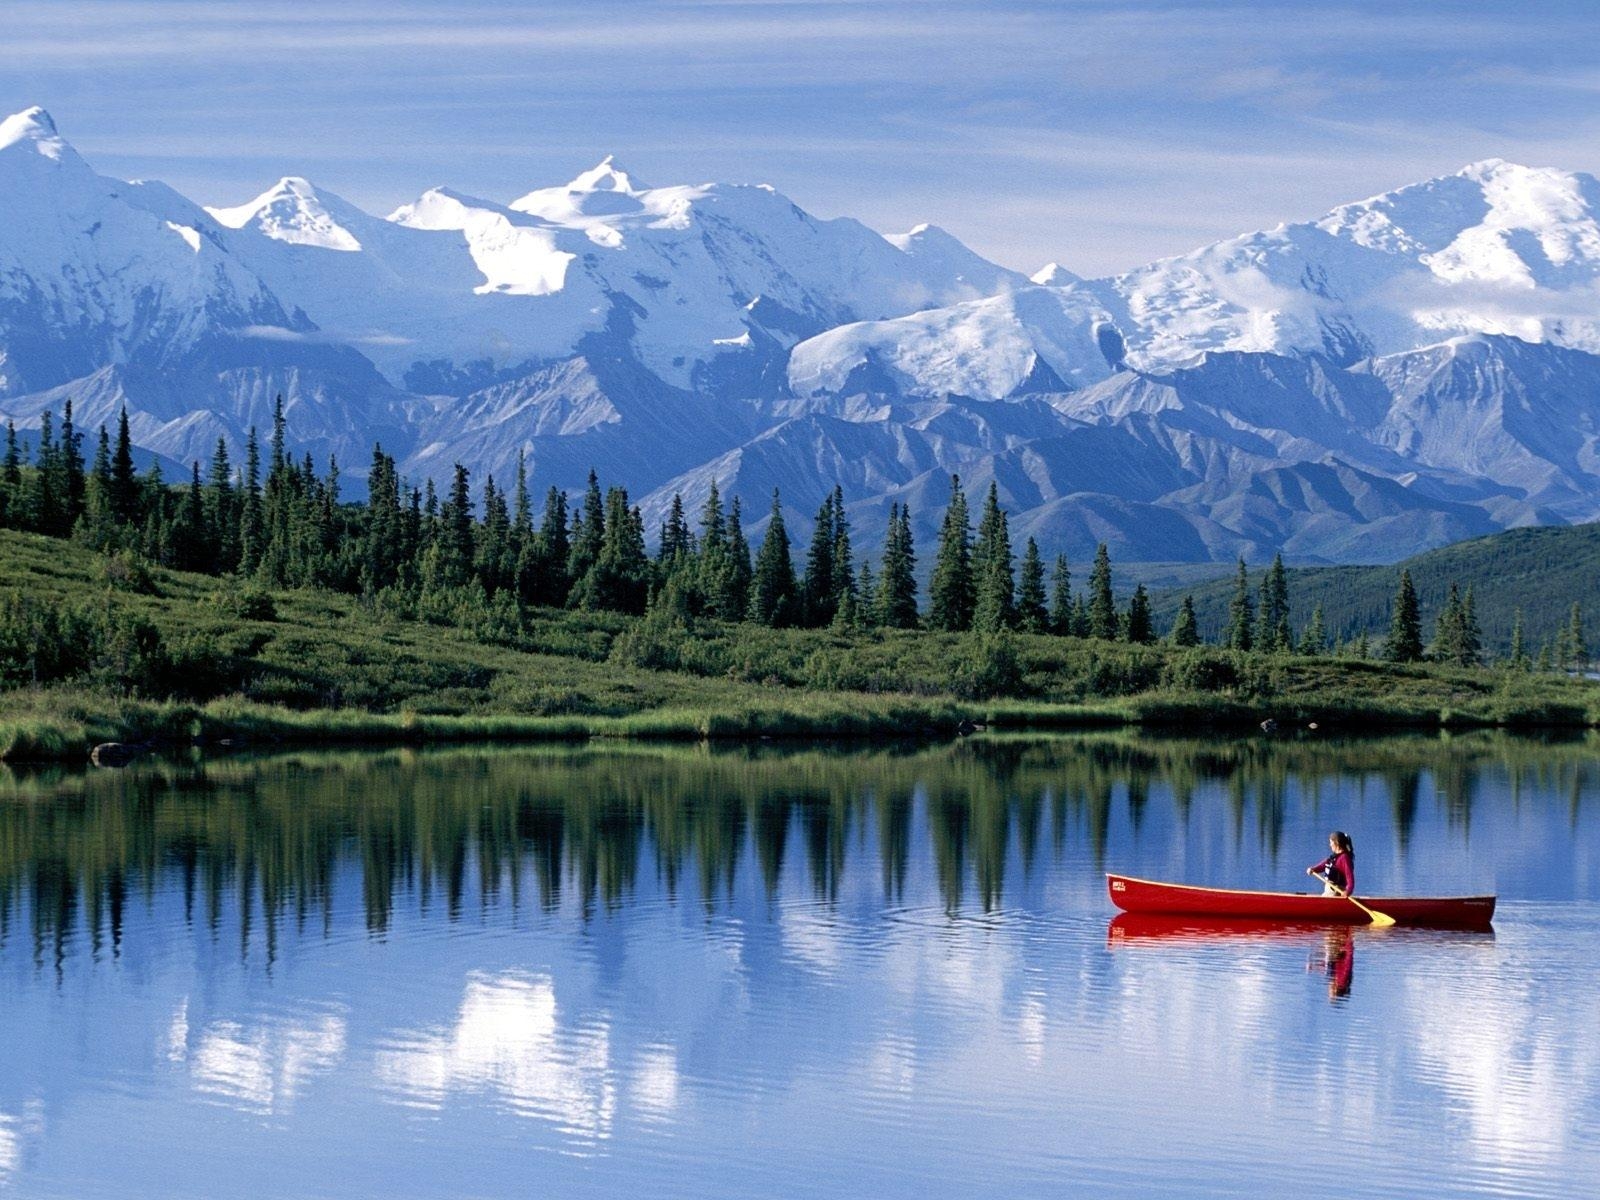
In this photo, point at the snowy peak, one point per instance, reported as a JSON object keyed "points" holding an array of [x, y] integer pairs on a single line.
{"points": [[1491, 221], [293, 211], [1054, 275], [607, 176], [32, 127]]}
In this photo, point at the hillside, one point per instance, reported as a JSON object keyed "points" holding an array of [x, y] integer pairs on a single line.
{"points": [[95, 649], [1541, 569]]}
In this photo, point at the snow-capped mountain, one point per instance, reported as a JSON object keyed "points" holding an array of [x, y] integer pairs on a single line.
{"points": [[1408, 369]]}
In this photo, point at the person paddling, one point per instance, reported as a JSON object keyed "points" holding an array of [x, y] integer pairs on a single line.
{"points": [[1338, 870]]}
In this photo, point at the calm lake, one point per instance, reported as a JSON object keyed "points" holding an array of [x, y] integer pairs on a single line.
{"points": [[802, 972]]}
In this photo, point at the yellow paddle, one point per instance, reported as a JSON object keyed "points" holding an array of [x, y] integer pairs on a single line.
{"points": [[1380, 920]]}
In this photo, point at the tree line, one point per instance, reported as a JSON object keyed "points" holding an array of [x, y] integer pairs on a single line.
{"points": [[279, 522]]}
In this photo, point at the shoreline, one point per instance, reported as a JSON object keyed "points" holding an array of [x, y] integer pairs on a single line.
{"points": [[79, 722]]}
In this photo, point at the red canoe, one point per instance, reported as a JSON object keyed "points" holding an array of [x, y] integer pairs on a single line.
{"points": [[1439, 912]]}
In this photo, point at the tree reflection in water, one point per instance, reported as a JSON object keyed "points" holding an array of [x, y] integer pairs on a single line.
{"points": [[445, 829]]}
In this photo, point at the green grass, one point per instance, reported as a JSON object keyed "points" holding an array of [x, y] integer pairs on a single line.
{"points": [[328, 669]]}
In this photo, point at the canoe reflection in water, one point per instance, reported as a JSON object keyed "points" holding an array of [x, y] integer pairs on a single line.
{"points": [[1338, 961], [1333, 947]]}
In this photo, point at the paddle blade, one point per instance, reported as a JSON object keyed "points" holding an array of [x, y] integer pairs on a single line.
{"points": [[1381, 920]]}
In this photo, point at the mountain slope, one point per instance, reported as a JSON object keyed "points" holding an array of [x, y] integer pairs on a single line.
{"points": [[1542, 571], [1410, 370]]}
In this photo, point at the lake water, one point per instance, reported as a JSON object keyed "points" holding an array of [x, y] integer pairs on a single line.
{"points": [[799, 972]]}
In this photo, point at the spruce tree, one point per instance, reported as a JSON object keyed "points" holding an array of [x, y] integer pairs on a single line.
{"points": [[1314, 639], [72, 472], [588, 531], [844, 572], [1102, 604], [773, 587], [732, 595], [1140, 625], [1272, 615], [456, 541], [951, 594], [994, 605], [677, 543], [11, 479], [1185, 628], [1061, 598], [818, 598], [1241, 614], [1519, 642], [897, 585], [1577, 644], [124, 480], [619, 579], [1447, 629], [1032, 615], [866, 608], [45, 502], [1405, 626], [252, 535]]}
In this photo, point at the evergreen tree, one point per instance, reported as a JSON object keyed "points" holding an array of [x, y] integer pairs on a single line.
{"points": [[1102, 604], [731, 596], [819, 601], [252, 535], [951, 594], [1577, 644], [1061, 598], [1471, 636], [897, 585], [542, 569], [494, 559], [455, 531], [99, 525], [1185, 628], [994, 607], [1314, 639], [11, 480], [1140, 624], [773, 588], [521, 506], [1447, 629], [844, 572], [1273, 634], [221, 519], [713, 526], [619, 579], [72, 477], [677, 543], [45, 503], [588, 531], [1405, 627], [1519, 642], [1241, 615], [1032, 615], [867, 589]]}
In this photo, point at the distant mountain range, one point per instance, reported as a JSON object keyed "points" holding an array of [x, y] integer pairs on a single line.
{"points": [[1405, 372]]}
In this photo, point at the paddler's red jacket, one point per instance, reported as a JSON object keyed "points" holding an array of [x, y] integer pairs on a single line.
{"points": [[1340, 869]]}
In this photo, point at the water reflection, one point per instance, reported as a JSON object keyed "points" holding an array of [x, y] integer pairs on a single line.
{"points": [[814, 972], [259, 1068], [508, 1043], [267, 839]]}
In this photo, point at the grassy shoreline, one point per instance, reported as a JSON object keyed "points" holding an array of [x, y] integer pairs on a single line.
{"points": [[63, 724], [189, 663]]}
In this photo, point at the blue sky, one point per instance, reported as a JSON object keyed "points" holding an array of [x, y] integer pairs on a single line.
{"points": [[1097, 134]]}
